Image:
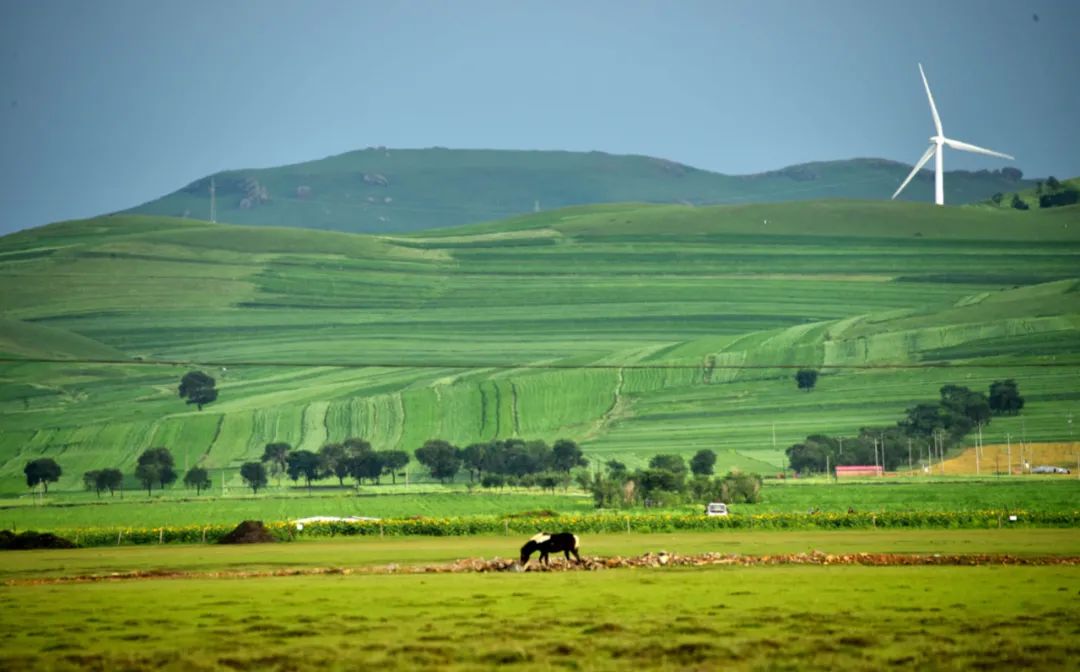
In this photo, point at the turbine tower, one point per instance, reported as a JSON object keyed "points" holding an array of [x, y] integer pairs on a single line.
{"points": [[937, 143]]}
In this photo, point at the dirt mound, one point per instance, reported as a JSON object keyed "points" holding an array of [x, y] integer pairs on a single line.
{"points": [[248, 532], [9, 541]]}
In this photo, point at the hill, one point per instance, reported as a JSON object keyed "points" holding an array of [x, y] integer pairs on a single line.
{"points": [[381, 190], [633, 329], [1058, 194]]}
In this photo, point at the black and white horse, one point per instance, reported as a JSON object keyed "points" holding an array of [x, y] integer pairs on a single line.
{"points": [[546, 543]]}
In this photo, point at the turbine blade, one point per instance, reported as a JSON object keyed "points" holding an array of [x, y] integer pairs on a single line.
{"points": [[956, 144], [918, 166], [933, 108]]}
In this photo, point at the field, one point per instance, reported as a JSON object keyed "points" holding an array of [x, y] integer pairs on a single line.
{"points": [[852, 617], [68, 513], [631, 329]]}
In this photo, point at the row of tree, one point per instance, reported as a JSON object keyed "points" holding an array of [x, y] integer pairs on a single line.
{"points": [[668, 482], [493, 462], [931, 427]]}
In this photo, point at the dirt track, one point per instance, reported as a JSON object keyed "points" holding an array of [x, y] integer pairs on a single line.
{"points": [[661, 560]]}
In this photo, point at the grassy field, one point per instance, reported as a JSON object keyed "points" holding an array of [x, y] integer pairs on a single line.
{"points": [[72, 512], [632, 329], [684, 618]]}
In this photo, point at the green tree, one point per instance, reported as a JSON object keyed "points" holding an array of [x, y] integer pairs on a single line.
{"points": [[366, 464], [616, 470], [393, 461], [197, 388], [198, 478], [996, 198], [277, 456], [475, 457], [1018, 203], [43, 470], [702, 463], [303, 464], [1005, 397], [673, 463], [254, 474], [110, 479], [566, 455], [335, 461], [806, 379], [155, 465], [1052, 183], [91, 481], [441, 458]]}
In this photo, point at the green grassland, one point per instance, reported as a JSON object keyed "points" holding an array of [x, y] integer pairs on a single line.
{"points": [[66, 512], [632, 329], [383, 190], [667, 618]]}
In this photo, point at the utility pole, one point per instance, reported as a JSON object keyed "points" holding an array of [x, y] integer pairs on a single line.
{"points": [[536, 205], [1008, 454], [909, 467], [213, 201]]}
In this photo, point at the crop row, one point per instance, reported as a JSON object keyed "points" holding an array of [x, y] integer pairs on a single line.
{"points": [[585, 523]]}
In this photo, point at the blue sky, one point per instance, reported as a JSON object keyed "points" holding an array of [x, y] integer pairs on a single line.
{"points": [[105, 104]]}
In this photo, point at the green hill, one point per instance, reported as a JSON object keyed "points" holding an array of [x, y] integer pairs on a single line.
{"points": [[633, 329], [1031, 197], [391, 190]]}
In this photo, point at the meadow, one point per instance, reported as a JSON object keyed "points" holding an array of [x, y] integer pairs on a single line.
{"points": [[631, 329], [850, 617], [66, 514]]}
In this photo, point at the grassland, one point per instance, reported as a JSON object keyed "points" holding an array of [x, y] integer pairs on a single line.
{"points": [[66, 513], [381, 190], [632, 329], [737, 618]]}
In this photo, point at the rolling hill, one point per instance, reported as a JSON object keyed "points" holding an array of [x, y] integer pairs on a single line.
{"points": [[634, 329], [380, 190]]}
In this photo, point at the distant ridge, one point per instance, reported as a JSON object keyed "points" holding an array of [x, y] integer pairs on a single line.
{"points": [[381, 190]]}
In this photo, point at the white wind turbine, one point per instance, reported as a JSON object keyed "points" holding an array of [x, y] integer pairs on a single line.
{"points": [[936, 143]]}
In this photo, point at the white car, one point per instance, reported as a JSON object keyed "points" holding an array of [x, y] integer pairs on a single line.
{"points": [[716, 509]]}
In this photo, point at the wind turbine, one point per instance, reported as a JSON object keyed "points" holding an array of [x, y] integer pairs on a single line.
{"points": [[936, 146]]}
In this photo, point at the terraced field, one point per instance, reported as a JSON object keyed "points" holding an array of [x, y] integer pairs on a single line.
{"points": [[632, 329]]}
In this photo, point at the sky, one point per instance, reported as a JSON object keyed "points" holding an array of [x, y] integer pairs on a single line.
{"points": [[106, 104]]}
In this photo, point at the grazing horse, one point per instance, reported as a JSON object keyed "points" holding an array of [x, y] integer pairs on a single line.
{"points": [[546, 542]]}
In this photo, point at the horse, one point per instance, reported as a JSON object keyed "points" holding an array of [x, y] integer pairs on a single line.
{"points": [[546, 543]]}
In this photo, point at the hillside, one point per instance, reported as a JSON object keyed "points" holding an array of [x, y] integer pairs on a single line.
{"points": [[381, 190], [1031, 197], [633, 329]]}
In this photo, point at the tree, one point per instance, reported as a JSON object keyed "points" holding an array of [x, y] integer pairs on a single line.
{"points": [[155, 465], [616, 469], [1005, 397], [673, 463], [197, 388], [996, 198], [476, 457], [335, 461], [703, 462], [566, 455], [1052, 183], [254, 474], [393, 461], [303, 463], [366, 464], [90, 481], [806, 379], [43, 470], [198, 478], [111, 480], [1018, 203], [441, 459], [277, 455]]}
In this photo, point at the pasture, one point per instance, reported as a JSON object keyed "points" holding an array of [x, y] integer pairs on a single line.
{"points": [[852, 617], [633, 330], [80, 511]]}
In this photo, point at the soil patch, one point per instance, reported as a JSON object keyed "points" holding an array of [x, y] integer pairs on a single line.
{"points": [[248, 532], [9, 541]]}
